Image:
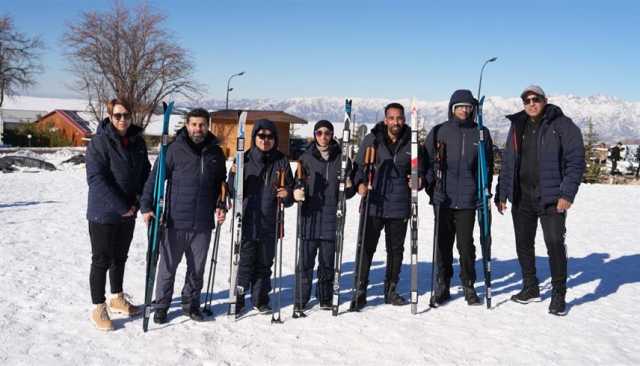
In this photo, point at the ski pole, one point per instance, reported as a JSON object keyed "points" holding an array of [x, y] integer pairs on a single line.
{"points": [[299, 184]]}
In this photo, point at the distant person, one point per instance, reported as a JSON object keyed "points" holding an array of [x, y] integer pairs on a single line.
{"points": [[637, 156], [542, 168], [616, 155], [117, 167]]}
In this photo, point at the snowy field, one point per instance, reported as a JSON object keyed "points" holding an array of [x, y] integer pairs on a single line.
{"points": [[45, 303]]}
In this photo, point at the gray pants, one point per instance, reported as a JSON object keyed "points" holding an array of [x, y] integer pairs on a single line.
{"points": [[194, 245]]}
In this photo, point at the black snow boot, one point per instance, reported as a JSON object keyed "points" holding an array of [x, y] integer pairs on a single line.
{"points": [[530, 292], [186, 305], [558, 305], [160, 315], [441, 294], [360, 300], [195, 314], [470, 294], [392, 297]]}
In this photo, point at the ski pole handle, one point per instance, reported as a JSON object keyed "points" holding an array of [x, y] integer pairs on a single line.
{"points": [[299, 175], [222, 197]]}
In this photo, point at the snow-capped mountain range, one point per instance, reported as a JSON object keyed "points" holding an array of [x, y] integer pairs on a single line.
{"points": [[613, 119]]}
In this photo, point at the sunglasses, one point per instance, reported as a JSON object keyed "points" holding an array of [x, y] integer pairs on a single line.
{"points": [[468, 108], [265, 136], [119, 116], [532, 100], [326, 133]]}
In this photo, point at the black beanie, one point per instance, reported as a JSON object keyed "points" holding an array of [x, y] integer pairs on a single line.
{"points": [[323, 123]]}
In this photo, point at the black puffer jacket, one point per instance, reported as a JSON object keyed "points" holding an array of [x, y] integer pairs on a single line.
{"points": [[461, 152], [260, 184], [115, 173], [321, 192], [391, 195], [194, 177]]}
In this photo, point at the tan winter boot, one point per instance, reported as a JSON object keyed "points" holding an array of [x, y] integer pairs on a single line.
{"points": [[100, 317], [120, 304]]}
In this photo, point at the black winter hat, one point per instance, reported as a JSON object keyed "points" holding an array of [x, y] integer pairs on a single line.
{"points": [[323, 123]]}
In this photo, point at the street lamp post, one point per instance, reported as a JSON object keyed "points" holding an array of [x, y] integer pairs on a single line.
{"points": [[481, 71], [230, 89]]}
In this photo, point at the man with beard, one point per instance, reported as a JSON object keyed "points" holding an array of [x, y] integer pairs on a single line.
{"points": [[263, 164], [195, 166], [321, 165], [458, 198], [389, 202]]}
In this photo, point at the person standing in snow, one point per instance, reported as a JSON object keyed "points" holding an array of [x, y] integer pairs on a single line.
{"points": [[117, 166], [263, 164], [542, 168], [637, 156], [319, 196], [389, 204], [616, 155], [458, 199], [195, 166]]}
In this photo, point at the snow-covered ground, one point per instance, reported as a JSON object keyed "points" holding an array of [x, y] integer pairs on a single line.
{"points": [[45, 303]]}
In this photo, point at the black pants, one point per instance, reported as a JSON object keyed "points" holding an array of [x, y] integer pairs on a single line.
{"points": [[394, 231], [254, 269], [525, 223], [109, 249], [456, 225], [304, 272]]}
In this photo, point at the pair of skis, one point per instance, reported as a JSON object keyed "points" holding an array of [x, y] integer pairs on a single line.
{"points": [[156, 227]]}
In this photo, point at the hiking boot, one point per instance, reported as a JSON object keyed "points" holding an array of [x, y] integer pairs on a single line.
{"points": [[195, 314], [186, 305], [119, 303], [441, 294], [100, 318], [359, 302], [470, 295], [263, 308], [558, 305], [392, 297], [529, 293], [160, 315]]}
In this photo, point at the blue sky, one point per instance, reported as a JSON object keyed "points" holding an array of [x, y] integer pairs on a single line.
{"points": [[388, 49]]}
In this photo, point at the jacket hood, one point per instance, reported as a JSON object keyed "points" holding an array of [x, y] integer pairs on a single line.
{"points": [[264, 124], [462, 96]]}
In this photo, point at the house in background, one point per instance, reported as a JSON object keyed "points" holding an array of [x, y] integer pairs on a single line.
{"points": [[224, 124], [76, 126]]}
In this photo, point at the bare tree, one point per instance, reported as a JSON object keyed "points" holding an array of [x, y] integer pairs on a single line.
{"points": [[19, 59], [127, 52]]}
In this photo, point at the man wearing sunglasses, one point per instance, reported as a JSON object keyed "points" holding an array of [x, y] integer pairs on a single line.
{"points": [[321, 164], [195, 167], [543, 164], [389, 204], [458, 198], [262, 165]]}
